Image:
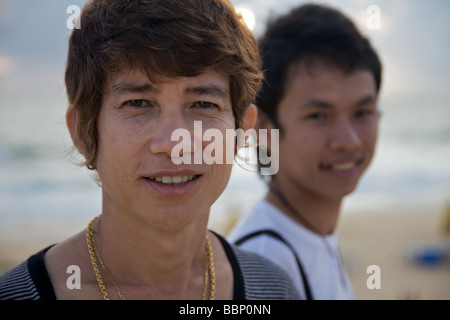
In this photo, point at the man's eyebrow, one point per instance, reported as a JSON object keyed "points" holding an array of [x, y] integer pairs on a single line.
{"points": [[208, 90], [366, 100], [315, 103], [135, 87]]}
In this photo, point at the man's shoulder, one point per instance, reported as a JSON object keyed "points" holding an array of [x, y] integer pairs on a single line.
{"points": [[28, 281], [260, 216], [17, 284], [256, 263], [263, 216], [263, 278]]}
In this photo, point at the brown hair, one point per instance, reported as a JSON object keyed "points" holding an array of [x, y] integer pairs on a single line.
{"points": [[164, 38]]}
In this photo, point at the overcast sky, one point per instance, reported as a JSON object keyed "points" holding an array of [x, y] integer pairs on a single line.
{"points": [[414, 41]]}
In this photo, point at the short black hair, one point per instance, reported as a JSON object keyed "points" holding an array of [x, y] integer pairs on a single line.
{"points": [[307, 34]]}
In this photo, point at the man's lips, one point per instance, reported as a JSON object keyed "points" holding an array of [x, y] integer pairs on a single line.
{"points": [[169, 185], [173, 180], [341, 166]]}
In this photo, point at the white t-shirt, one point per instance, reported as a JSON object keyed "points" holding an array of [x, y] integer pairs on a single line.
{"points": [[319, 255]]}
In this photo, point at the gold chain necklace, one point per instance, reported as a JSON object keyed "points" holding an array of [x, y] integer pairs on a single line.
{"points": [[212, 289], [94, 255]]}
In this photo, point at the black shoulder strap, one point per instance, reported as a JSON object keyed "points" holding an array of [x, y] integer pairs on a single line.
{"points": [[39, 275], [280, 238]]}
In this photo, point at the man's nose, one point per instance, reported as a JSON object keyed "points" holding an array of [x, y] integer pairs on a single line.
{"points": [[173, 130], [345, 136]]}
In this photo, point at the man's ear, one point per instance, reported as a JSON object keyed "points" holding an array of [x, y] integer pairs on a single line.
{"points": [[263, 122], [72, 125], [250, 117]]}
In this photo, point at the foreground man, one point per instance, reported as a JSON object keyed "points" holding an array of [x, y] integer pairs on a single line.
{"points": [[136, 72]]}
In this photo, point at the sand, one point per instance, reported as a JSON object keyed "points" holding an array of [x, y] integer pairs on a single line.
{"points": [[394, 242], [388, 240]]}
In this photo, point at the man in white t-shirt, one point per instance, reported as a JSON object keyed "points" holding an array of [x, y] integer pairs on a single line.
{"points": [[321, 91]]}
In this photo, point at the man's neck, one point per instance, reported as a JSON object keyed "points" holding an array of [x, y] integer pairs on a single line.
{"points": [[315, 213], [156, 258]]}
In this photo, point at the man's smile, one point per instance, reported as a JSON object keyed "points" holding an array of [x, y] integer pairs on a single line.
{"points": [[174, 180], [342, 166]]}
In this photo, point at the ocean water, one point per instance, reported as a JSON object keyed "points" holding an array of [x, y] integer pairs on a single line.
{"points": [[40, 180], [411, 169]]}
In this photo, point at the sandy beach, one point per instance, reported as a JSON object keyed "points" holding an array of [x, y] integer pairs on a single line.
{"points": [[388, 240], [407, 247]]}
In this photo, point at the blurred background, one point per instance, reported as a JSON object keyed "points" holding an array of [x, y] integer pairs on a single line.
{"points": [[398, 219]]}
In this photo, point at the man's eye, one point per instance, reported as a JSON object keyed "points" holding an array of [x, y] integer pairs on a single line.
{"points": [[364, 113], [139, 103], [316, 116], [205, 105]]}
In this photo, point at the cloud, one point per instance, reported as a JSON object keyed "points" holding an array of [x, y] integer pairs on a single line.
{"points": [[6, 65], [412, 42]]}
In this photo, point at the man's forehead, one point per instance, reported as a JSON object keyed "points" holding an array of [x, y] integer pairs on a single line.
{"points": [[135, 80], [330, 87], [117, 80], [325, 77], [312, 68]]}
